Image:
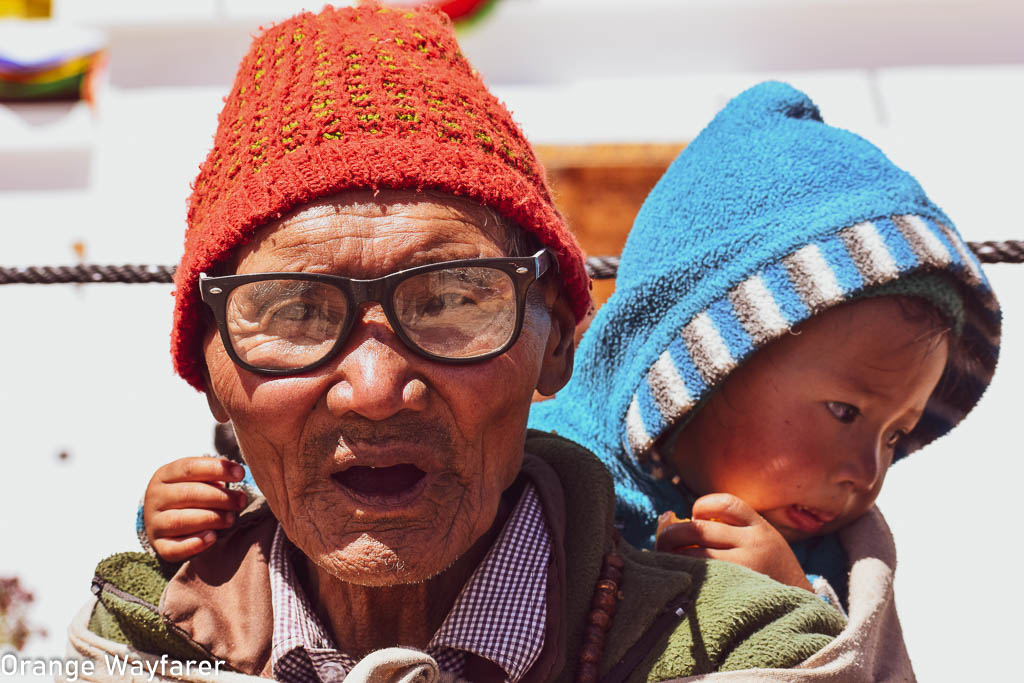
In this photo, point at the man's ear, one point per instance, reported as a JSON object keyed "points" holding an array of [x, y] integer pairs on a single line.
{"points": [[556, 368]]}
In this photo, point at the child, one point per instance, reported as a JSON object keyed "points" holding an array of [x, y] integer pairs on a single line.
{"points": [[791, 315]]}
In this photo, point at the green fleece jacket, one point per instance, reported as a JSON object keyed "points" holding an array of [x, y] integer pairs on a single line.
{"points": [[676, 616]]}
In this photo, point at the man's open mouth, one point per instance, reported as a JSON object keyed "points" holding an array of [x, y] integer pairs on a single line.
{"points": [[381, 484]]}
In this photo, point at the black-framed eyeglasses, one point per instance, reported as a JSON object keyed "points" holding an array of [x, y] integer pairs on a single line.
{"points": [[451, 312]]}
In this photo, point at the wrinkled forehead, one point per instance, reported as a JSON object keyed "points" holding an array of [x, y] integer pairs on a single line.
{"points": [[366, 234]]}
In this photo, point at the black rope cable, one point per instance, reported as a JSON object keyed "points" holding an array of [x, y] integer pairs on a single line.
{"points": [[1007, 251], [598, 267], [602, 267], [84, 274]]}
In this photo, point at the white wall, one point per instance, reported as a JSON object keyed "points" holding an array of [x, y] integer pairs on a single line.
{"points": [[87, 370]]}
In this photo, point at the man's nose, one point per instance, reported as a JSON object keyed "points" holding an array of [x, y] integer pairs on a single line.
{"points": [[376, 373]]}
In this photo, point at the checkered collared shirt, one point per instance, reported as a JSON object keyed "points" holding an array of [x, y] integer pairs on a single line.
{"points": [[500, 614]]}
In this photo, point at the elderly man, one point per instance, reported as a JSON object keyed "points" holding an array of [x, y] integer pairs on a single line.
{"points": [[375, 281]]}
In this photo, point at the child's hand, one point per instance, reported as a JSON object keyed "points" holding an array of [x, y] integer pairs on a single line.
{"points": [[724, 527], [186, 501]]}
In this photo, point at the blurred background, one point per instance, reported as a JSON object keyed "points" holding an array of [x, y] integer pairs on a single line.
{"points": [[107, 107]]}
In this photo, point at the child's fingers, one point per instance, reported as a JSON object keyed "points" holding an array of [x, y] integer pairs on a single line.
{"points": [[692, 551], [182, 548], [725, 507], [702, 533], [183, 495], [667, 519], [201, 469], [175, 523]]}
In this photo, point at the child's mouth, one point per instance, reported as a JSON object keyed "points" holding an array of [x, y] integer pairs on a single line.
{"points": [[806, 519]]}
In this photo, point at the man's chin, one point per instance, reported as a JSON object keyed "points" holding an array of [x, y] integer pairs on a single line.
{"points": [[372, 562]]}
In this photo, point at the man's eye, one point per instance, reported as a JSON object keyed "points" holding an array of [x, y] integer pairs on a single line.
{"points": [[293, 312], [843, 412], [441, 303]]}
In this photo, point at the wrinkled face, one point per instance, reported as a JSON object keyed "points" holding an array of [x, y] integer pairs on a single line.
{"points": [[804, 432], [382, 466]]}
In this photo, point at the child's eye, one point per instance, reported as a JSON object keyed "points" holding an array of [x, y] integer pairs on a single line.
{"points": [[843, 412], [895, 438]]}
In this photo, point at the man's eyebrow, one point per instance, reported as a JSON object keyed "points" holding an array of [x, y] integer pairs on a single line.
{"points": [[428, 258]]}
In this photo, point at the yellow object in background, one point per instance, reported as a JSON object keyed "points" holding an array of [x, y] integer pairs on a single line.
{"points": [[47, 60], [667, 519], [26, 9], [60, 71]]}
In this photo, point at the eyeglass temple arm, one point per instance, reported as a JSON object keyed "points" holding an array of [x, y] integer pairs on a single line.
{"points": [[545, 260]]}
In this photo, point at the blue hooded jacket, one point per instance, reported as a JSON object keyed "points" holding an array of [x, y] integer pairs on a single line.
{"points": [[767, 218]]}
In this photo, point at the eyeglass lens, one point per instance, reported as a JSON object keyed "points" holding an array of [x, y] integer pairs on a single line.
{"points": [[456, 313], [283, 324]]}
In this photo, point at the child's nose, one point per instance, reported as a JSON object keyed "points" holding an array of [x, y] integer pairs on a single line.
{"points": [[862, 467]]}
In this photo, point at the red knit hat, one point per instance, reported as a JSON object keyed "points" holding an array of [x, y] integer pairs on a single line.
{"points": [[364, 97]]}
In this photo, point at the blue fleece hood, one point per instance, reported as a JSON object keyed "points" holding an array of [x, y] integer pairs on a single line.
{"points": [[767, 218]]}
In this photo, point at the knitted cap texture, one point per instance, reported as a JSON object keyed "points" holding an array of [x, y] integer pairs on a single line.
{"points": [[358, 97], [936, 288]]}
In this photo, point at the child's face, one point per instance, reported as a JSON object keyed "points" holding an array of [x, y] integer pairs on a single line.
{"points": [[804, 432]]}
